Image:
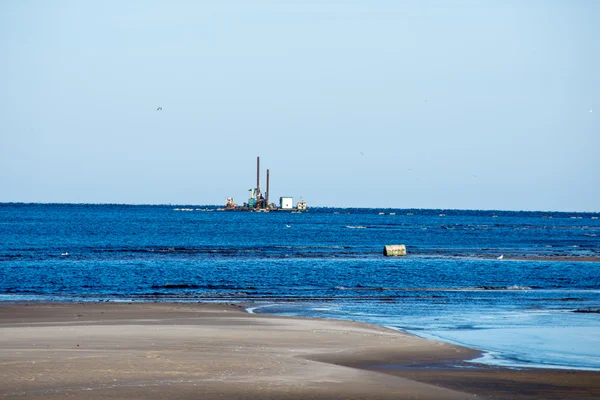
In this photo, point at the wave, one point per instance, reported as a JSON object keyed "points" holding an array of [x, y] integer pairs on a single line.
{"points": [[206, 287], [183, 249], [512, 287], [178, 250], [434, 289], [517, 287], [310, 247]]}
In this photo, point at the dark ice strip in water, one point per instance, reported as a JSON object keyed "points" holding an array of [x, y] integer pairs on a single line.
{"points": [[194, 286], [587, 310]]}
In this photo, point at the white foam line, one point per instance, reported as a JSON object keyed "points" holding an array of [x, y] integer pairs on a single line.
{"points": [[496, 359], [250, 310]]}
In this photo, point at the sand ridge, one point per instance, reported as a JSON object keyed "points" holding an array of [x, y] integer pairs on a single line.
{"points": [[206, 351]]}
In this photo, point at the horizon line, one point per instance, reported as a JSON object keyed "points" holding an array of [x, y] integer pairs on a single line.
{"points": [[317, 207]]}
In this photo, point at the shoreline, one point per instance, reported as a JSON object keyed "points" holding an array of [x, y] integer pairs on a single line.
{"points": [[192, 350]]}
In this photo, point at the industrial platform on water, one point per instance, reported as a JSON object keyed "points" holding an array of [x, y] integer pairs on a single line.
{"points": [[259, 202]]}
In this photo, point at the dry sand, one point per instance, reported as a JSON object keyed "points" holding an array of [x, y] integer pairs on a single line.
{"points": [[200, 351]]}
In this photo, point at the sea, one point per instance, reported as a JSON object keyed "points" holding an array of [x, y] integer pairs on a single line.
{"points": [[509, 284]]}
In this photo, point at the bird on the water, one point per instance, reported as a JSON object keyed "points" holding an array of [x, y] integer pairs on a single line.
{"points": [[500, 257]]}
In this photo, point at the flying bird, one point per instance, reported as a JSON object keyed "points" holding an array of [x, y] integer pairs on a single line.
{"points": [[159, 109]]}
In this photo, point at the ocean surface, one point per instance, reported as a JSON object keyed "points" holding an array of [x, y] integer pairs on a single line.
{"points": [[328, 263]]}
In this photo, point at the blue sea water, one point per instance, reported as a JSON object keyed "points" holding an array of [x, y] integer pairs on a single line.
{"points": [[328, 263]]}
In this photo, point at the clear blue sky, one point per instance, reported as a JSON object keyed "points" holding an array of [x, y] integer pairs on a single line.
{"points": [[380, 103]]}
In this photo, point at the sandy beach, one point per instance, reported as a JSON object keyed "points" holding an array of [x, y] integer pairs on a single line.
{"points": [[216, 351]]}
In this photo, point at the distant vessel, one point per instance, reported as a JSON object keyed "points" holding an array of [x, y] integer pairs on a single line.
{"points": [[259, 202]]}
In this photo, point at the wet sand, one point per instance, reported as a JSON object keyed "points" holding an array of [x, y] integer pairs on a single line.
{"points": [[213, 351]]}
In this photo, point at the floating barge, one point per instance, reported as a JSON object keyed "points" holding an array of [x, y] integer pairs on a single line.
{"points": [[259, 202]]}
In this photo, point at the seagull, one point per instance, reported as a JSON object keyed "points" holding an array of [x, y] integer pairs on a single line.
{"points": [[65, 254], [361, 153], [288, 226], [159, 109], [500, 257]]}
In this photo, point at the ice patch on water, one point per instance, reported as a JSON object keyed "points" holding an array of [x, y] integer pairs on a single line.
{"points": [[535, 347], [496, 359]]}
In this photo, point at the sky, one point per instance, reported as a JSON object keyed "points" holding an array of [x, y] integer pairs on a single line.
{"points": [[378, 103]]}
